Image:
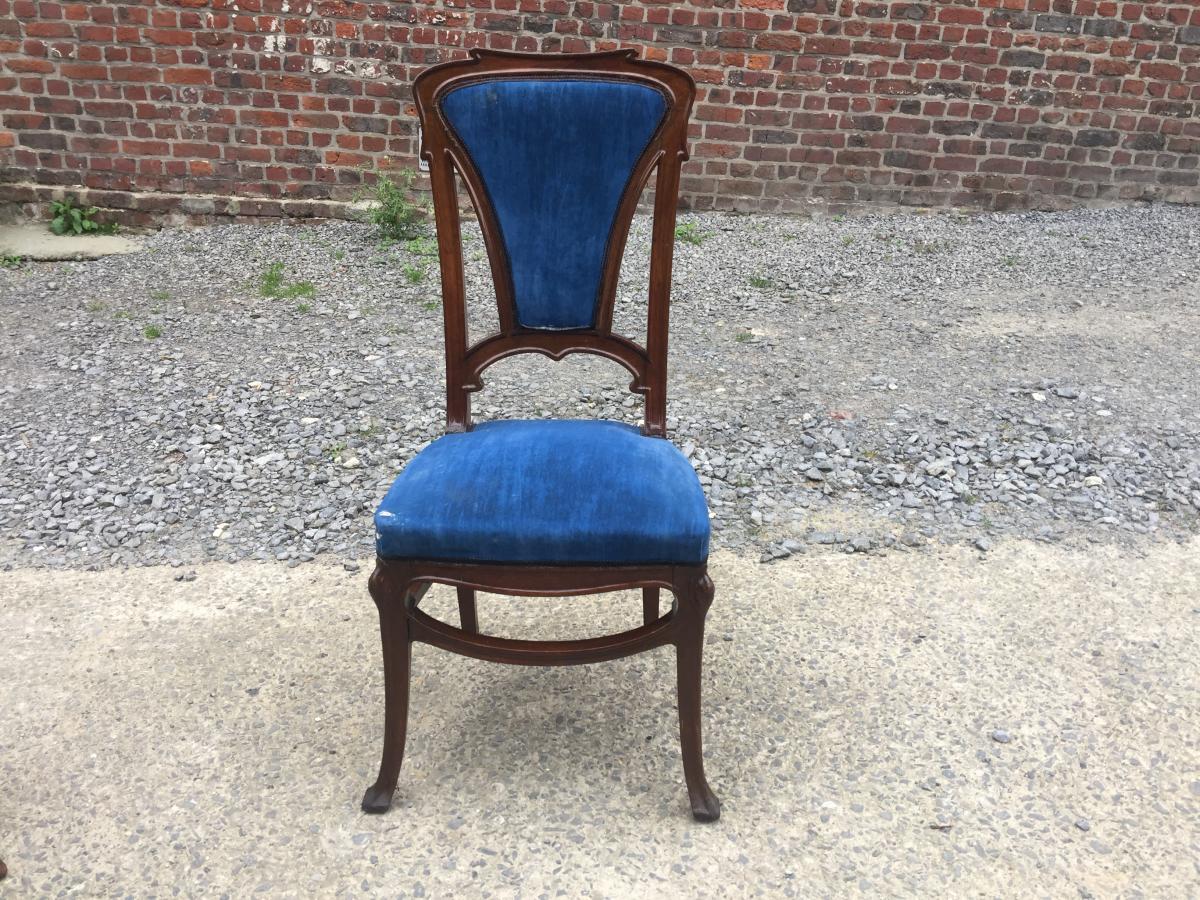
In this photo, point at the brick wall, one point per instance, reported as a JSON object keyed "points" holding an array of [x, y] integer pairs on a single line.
{"points": [[204, 108]]}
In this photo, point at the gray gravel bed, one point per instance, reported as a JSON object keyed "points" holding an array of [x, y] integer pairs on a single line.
{"points": [[874, 382]]}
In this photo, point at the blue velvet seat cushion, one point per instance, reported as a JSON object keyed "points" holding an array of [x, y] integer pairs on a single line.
{"points": [[555, 156], [550, 492]]}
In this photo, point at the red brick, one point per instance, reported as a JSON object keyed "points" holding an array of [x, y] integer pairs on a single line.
{"points": [[809, 100], [181, 75]]}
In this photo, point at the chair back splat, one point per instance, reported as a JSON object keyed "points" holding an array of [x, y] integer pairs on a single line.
{"points": [[554, 152]]}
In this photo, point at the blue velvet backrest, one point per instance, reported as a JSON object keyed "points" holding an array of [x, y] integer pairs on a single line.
{"points": [[555, 156]]}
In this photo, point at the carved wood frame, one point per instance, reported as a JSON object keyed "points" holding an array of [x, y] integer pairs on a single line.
{"points": [[397, 585], [665, 153]]}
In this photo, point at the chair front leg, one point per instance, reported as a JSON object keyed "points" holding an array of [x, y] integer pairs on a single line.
{"points": [[695, 596], [391, 593]]}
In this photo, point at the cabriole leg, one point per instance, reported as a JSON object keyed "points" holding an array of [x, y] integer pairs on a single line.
{"points": [[694, 600], [390, 596]]}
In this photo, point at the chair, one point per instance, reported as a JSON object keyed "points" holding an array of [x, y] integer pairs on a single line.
{"points": [[554, 152]]}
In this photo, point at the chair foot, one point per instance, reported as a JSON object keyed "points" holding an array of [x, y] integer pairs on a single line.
{"points": [[377, 799], [705, 805]]}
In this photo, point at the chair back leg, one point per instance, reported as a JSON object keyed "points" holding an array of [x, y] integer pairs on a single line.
{"points": [[468, 615], [694, 597], [649, 605]]}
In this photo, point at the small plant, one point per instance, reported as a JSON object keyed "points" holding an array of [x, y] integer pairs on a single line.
{"points": [[122, 315], [339, 255], [271, 281], [152, 332], [94, 306], [303, 307], [760, 282], [744, 336], [160, 296], [271, 284], [335, 451], [430, 304], [11, 262], [67, 218], [847, 240], [414, 273], [1010, 261], [391, 210], [690, 233], [422, 246]]}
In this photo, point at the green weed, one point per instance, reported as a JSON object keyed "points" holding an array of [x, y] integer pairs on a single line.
{"points": [[272, 285], [690, 233], [392, 212], [422, 246], [68, 218]]}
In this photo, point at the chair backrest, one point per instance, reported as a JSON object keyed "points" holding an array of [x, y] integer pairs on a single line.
{"points": [[554, 151]]}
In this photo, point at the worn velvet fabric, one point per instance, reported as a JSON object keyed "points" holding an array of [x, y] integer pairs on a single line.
{"points": [[550, 492], [555, 157]]}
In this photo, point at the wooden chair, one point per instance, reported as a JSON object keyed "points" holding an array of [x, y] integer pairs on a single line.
{"points": [[554, 152]]}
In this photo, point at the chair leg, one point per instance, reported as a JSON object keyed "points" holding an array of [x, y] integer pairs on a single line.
{"points": [[391, 597], [649, 605], [468, 615], [694, 600]]}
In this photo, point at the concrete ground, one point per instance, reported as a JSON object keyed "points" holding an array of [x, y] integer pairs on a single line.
{"points": [[936, 723], [36, 241]]}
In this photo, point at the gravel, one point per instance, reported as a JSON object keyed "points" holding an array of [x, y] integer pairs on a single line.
{"points": [[874, 383]]}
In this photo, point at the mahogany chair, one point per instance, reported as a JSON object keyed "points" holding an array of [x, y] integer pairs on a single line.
{"points": [[554, 152]]}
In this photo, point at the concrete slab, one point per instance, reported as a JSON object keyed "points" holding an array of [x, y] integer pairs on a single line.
{"points": [[214, 736], [36, 241]]}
